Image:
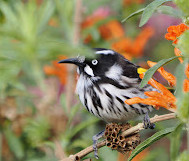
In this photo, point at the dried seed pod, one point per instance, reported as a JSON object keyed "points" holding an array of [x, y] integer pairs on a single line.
{"points": [[114, 135], [129, 143], [108, 144], [118, 142], [115, 140], [114, 146], [108, 138], [106, 133], [110, 129], [77, 158], [121, 138]]}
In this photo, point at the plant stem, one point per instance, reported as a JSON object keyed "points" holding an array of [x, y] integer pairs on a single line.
{"points": [[75, 40], [187, 130], [132, 130], [1, 146]]}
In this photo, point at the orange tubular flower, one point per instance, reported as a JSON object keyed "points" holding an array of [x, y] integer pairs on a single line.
{"points": [[141, 40], [111, 30], [127, 46], [58, 70], [186, 85], [175, 31], [178, 53], [187, 71], [163, 99], [168, 76]]}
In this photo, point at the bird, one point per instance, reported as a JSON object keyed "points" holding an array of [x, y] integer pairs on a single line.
{"points": [[105, 81]]}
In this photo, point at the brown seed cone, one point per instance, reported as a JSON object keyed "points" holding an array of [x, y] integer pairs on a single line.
{"points": [[116, 141]]}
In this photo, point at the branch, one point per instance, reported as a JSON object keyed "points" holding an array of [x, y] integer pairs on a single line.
{"points": [[132, 130]]}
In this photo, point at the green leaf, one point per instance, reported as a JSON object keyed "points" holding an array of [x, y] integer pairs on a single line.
{"points": [[182, 97], [170, 11], [150, 72], [183, 156], [46, 11], [180, 75], [14, 143], [150, 140], [72, 132], [72, 114], [149, 10], [175, 141], [183, 43], [133, 14], [37, 131]]}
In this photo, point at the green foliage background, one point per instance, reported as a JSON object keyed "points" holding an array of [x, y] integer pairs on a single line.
{"points": [[34, 124]]}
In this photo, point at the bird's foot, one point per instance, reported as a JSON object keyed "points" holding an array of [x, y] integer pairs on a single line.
{"points": [[147, 123], [95, 140]]}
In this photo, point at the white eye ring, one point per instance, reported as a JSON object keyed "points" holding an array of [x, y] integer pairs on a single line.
{"points": [[94, 62]]}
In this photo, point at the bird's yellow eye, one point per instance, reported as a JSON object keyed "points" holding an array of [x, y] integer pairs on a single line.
{"points": [[141, 70]]}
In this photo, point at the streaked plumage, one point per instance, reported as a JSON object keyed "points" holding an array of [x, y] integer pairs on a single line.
{"points": [[104, 84]]}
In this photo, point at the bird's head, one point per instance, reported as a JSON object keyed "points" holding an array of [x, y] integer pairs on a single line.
{"points": [[107, 63]]}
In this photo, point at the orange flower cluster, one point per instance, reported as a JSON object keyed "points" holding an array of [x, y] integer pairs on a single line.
{"points": [[168, 76], [58, 70], [163, 99], [109, 31], [113, 31], [175, 31], [129, 47]]}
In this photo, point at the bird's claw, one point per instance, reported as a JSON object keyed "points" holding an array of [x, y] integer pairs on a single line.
{"points": [[95, 140], [147, 123], [95, 148]]}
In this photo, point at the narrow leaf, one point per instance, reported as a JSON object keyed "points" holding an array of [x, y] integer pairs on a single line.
{"points": [[73, 131], [150, 140], [46, 11], [175, 141], [170, 11], [133, 14], [149, 10], [14, 143], [150, 72], [180, 75]]}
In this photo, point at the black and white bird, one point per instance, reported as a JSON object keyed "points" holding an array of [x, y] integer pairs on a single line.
{"points": [[104, 84]]}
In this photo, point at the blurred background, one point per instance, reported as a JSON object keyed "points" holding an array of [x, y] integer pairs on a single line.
{"points": [[41, 118]]}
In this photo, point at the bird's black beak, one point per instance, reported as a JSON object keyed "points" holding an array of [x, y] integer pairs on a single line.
{"points": [[76, 61]]}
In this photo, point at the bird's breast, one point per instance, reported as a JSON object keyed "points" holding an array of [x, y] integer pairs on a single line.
{"points": [[106, 101]]}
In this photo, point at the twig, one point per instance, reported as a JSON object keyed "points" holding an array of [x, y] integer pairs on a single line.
{"points": [[132, 130], [76, 38], [154, 119]]}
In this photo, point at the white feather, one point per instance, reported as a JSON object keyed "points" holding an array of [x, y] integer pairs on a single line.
{"points": [[105, 52], [89, 70], [114, 72]]}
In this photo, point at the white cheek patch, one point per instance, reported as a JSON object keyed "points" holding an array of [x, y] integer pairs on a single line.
{"points": [[89, 70], [114, 72]]}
